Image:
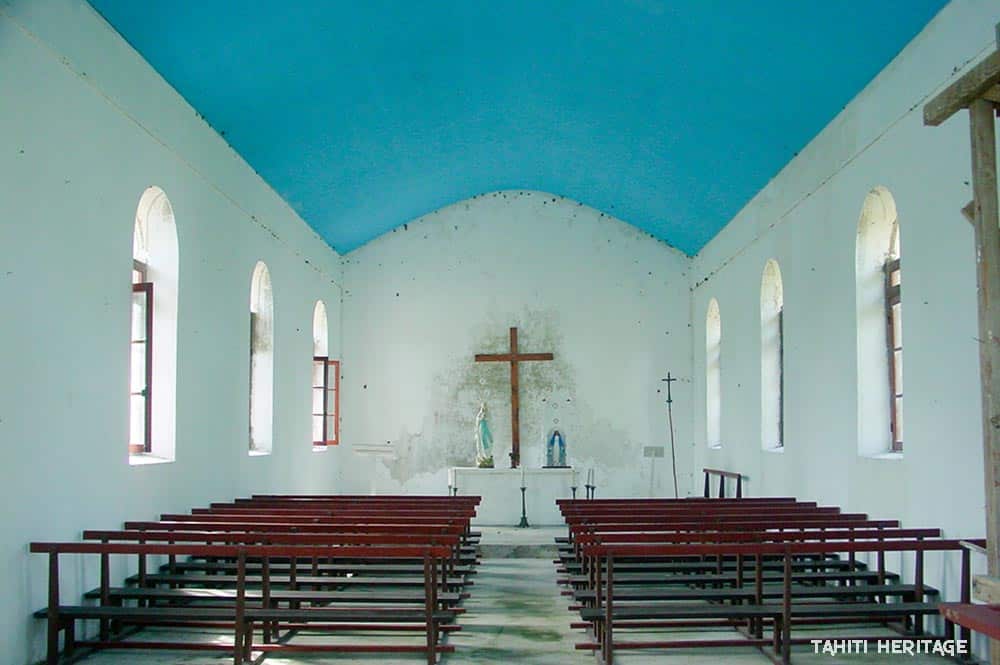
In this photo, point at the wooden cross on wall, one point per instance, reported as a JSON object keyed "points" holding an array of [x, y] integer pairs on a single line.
{"points": [[515, 418]]}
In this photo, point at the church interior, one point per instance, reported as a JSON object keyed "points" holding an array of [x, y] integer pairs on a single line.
{"points": [[464, 332]]}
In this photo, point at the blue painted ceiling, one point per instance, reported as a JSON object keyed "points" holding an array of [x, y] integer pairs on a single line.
{"points": [[365, 114]]}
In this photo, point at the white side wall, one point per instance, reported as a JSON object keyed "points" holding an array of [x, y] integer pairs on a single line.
{"points": [[87, 126], [609, 301], [806, 219]]}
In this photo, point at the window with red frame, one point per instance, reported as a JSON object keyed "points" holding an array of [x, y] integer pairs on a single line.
{"points": [[894, 344], [141, 362], [325, 401]]}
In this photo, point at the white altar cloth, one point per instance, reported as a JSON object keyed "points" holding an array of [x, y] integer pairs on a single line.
{"points": [[500, 490]]}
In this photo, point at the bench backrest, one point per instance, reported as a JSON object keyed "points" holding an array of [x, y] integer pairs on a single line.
{"points": [[277, 538], [585, 539], [286, 527]]}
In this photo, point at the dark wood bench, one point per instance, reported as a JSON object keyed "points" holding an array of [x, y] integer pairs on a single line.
{"points": [[462, 555], [268, 535], [681, 616], [909, 611], [222, 567], [574, 564], [778, 530], [239, 609], [226, 523], [288, 581], [872, 592]]}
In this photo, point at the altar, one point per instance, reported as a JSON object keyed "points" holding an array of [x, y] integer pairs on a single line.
{"points": [[500, 490]]}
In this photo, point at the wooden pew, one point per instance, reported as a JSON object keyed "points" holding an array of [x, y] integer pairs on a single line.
{"points": [[727, 577], [247, 558], [713, 522], [360, 519], [734, 568], [421, 512], [242, 614], [675, 516], [223, 523], [268, 537], [604, 617], [365, 499]]}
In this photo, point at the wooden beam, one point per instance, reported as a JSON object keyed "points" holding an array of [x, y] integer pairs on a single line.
{"points": [[986, 589], [515, 404], [987, 231], [960, 94], [993, 94]]}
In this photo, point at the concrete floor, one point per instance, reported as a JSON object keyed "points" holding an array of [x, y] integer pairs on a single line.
{"points": [[515, 615], [507, 535]]}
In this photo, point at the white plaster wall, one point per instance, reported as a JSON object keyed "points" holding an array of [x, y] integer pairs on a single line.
{"points": [[609, 301], [806, 219], [87, 126]]}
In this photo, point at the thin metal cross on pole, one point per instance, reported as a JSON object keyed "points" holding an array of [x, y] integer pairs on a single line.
{"points": [[670, 419]]}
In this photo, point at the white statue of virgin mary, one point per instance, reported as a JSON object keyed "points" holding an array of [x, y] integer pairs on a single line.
{"points": [[484, 440]]}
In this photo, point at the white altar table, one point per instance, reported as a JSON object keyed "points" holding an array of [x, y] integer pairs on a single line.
{"points": [[500, 490]]}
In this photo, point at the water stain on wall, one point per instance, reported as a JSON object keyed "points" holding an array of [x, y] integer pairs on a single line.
{"points": [[465, 384], [548, 399]]}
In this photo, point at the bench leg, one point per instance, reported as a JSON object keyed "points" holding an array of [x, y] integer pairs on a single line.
{"points": [[609, 633], [69, 638], [430, 606], [52, 653], [775, 634], [52, 611], [243, 643], [786, 613], [248, 641]]}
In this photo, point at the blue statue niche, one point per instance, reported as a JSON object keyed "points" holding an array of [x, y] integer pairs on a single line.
{"points": [[555, 449]]}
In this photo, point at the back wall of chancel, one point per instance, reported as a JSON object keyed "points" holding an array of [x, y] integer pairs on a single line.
{"points": [[610, 302]]}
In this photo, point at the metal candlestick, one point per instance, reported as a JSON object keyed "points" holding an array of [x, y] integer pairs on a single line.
{"points": [[591, 490], [574, 491], [454, 490], [524, 514]]}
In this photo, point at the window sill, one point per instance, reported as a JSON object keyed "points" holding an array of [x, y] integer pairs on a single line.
{"points": [[145, 459], [886, 456], [717, 446], [319, 449], [259, 453], [775, 449]]}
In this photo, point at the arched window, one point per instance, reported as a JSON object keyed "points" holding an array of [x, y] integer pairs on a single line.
{"points": [[153, 353], [261, 360], [879, 326], [325, 385], [713, 376], [772, 358]]}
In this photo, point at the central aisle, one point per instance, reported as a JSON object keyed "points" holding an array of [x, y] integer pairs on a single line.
{"points": [[515, 615]]}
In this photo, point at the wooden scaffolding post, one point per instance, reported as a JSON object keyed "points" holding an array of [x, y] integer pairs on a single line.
{"points": [[979, 92], [987, 226]]}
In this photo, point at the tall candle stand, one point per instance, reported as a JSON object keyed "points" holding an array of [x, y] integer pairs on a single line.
{"points": [[524, 513]]}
